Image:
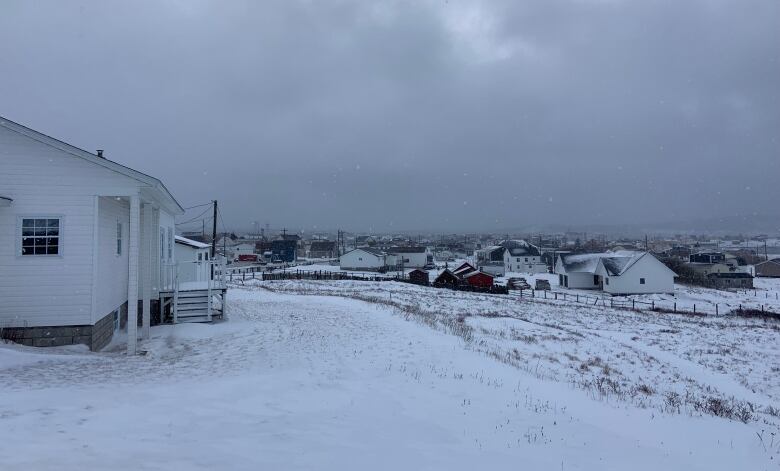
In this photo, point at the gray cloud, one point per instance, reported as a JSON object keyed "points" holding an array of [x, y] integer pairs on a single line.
{"points": [[415, 114]]}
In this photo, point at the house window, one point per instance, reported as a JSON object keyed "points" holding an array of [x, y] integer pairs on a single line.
{"points": [[118, 238], [595, 279], [162, 244], [526, 259], [606, 280], [200, 257], [41, 236], [170, 243], [360, 259], [641, 281]]}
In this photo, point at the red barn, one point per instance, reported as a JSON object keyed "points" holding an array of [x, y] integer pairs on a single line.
{"points": [[478, 279]]}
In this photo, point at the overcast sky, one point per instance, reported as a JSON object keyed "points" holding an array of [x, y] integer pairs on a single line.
{"points": [[442, 115]]}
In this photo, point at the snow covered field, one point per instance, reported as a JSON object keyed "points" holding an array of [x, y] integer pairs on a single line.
{"points": [[357, 375]]}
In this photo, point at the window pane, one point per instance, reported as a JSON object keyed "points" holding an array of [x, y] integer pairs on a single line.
{"points": [[40, 250], [40, 223], [40, 241], [52, 231], [54, 223], [52, 250], [28, 222], [52, 241], [28, 231], [28, 242], [27, 250], [40, 231]]}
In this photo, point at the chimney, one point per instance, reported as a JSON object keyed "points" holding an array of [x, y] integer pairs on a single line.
{"points": [[100, 153]]}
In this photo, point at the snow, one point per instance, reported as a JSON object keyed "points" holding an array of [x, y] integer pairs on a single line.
{"points": [[364, 375]]}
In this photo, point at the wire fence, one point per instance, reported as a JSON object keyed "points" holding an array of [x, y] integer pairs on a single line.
{"points": [[754, 309]]}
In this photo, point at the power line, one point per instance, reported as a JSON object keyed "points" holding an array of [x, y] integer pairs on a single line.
{"points": [[195, 218], [198, 206]]}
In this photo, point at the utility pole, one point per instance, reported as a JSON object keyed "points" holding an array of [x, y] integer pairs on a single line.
{"points": [[766, 254], [214, 232]]}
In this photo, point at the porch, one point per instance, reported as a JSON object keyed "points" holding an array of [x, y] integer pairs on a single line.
{"points": [[193, 291]]}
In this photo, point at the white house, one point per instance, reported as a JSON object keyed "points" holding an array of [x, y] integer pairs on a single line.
{"points": [[82, 240], [192, 257], [365, 259], [617, 273], [522, 257], [410, 257]]}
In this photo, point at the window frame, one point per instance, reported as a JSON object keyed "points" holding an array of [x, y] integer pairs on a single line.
{"points": [[60, 236], [120, 238]]}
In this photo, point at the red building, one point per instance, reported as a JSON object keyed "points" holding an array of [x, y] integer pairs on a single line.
{"points": [[479, 279]]}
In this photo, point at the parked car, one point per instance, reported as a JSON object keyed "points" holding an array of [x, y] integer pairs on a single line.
{"points": [[543, 285], [517, 283]]}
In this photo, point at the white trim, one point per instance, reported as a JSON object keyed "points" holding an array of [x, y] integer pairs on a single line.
{"points": [[95, 251], [60, 236]]}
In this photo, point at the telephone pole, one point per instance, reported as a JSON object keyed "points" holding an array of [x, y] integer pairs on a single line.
{"points": [[214, 231]]}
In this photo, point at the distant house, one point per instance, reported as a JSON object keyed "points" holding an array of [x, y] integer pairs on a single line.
{"points": [[490, 260], [446, 279], [322, 249], [285, 250], [478, 279], [733, 280], [364, 259], [522, 257], [242, 248], [409, 257], [419, 277], [617, 273], [768, 269], [192, 257]]}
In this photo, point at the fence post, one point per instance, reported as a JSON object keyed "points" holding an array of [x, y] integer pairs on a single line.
{"points": [[633, 306], [611, 304], [556, 296], [577, 298], [652, 305], [675, 308], [694, 309], [716, 309]]}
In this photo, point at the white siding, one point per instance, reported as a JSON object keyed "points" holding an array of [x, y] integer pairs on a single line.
{"points": [[361, 260], [658, 278], [57, 290], [111, 281]]}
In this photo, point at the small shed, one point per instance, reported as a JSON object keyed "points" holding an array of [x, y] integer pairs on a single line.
{"points": [[446, 279], [768, 269], [419, 277], [479, 279]]}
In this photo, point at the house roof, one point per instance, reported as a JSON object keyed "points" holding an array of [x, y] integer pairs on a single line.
{"points": [[417, 270], [191, 243], [520, 248], [475, 273], [465, 267], [92, 158], [406, 249], [615, 263], [774, 261], [370, 250], [446, 274]]}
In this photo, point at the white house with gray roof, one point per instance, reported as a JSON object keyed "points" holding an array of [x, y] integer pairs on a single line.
{"points": [[85, 243], [617, 273], [365, 259]]}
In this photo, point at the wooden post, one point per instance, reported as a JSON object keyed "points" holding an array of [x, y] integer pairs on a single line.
{"points": [[652, 305], [716, 309], [675, 308], [694, 309]]}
